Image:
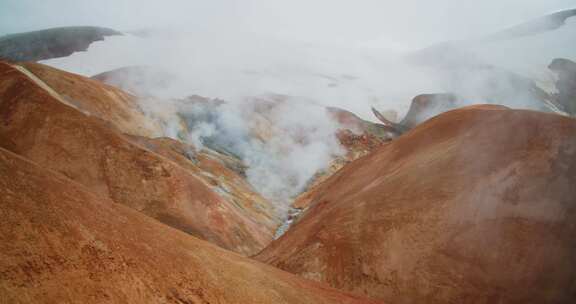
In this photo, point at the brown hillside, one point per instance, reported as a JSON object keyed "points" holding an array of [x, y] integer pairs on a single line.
{"points": [[37, 124], [95, 98], [476, 205], [60, 243]]}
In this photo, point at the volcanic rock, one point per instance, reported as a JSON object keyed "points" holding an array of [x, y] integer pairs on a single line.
{"points": [[421, 109], [566, 84]]}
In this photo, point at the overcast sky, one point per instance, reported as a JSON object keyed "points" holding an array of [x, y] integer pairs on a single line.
{"points": [[406, 23]]}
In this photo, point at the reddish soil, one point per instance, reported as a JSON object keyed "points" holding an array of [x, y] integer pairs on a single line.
{"points": [[476, 205], [90, 150], [61, 243]]}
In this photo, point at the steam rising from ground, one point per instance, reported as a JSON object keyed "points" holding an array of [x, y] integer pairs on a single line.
{"points": [[236, 65], [352, 55], [297, 143], [283, 143], [233, 68], [285, 146]]}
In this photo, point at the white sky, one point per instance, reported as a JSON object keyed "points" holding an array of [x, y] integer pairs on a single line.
{"points": [[402, 24]]}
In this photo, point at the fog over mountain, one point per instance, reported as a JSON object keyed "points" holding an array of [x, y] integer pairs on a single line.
{"points": [[355, 56], [305, 151], [336, 52], [407, 24]]}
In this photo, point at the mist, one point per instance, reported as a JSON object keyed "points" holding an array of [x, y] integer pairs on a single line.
{"points": [[338, 53], [349, 54]]}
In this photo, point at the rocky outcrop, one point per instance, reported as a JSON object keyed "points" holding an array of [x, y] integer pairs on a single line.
{"points": [[199, 195], [61, 243], [51, 43], [426, 106], [422, 108], [476, 205], [566, 84]]}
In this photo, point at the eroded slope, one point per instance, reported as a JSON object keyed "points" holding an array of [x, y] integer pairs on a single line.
{"points": [[60, 243], [474, 206], [36, 124]]}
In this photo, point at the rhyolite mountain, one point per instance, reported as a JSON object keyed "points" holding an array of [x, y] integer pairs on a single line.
{"points": [[99, 136], [108, 195], [476, 205], [62, 243], [97, 208]]}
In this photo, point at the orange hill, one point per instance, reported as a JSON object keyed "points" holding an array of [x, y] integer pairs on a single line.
{"points": [[476, 205], [40, 121], [60, 243]]}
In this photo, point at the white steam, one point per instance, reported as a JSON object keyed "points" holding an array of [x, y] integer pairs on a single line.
{"points": [[283, 143], [349, 54]]}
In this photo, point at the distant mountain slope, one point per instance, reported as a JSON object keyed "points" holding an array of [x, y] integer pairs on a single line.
{"points": [[503, 67], [50, 43], [507, 67], [540, 25], [532, 36]]}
